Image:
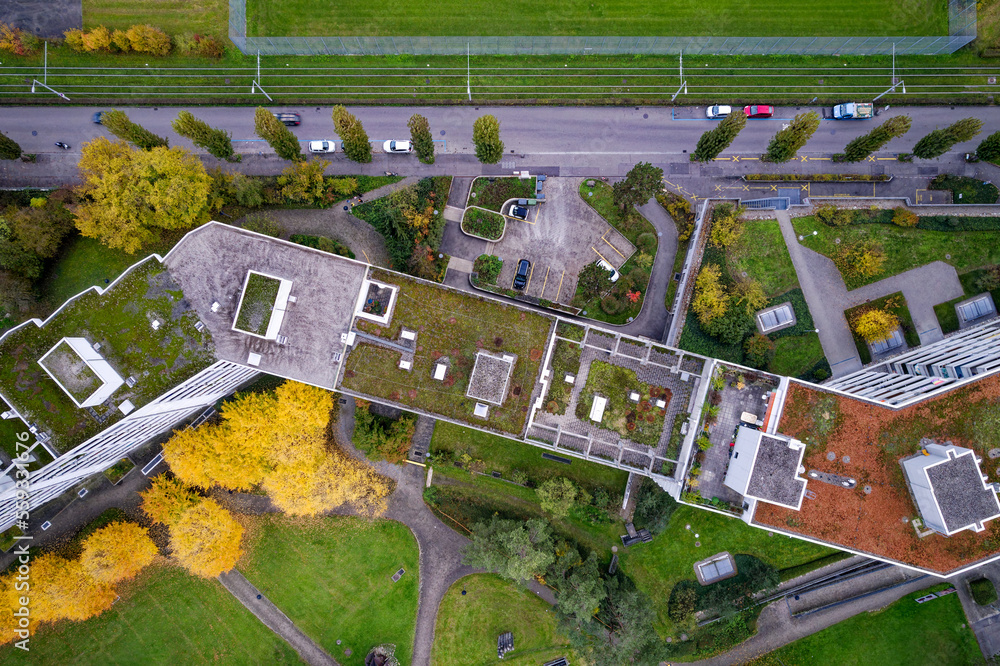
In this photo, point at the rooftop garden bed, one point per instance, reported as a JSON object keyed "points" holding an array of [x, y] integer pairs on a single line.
{"points": [[895, 304], [641, 421], [491, 193], [908, 248], [623, 301], [565, 329], [452, 325], [973, 283], [72, 372], [120, 320], [565, 360], [483, 223], [257, 303], [874, 439]]}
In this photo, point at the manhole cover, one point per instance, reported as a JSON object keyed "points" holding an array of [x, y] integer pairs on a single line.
{"points": [[846, 459], [992, 80], [697, 544], [831, 456], [684, 637], [994, 453], [947, 256], [868, 490]]}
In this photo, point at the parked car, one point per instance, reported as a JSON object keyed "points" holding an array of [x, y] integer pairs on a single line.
{"points": [[392, 146], [523, 271], [718, 111], [518, 211], [609, 268], [97, 117], [289, 118], [322, 146], [759, 111]]}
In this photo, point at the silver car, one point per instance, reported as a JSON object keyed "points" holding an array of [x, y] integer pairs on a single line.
{"points": [[718, 111]]}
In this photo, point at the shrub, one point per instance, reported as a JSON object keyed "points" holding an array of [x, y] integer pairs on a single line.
{"points": [[653, 507], [679, 209], [147, 39], [17, 41], [74, 39], [98, 39], [263, 223], [488, 268], [559, 495], [247, 190], [759, 350], [833, 216], [903, 217], [984, 592], [611, 305], [710, 300], [518, 477], [990, 279], [210, 47], [727, 225], [646, 242], [683, 598], [704, 443], [863, 259]]}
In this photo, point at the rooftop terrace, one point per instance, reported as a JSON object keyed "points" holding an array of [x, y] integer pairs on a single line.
{"points": [[121, 322]]}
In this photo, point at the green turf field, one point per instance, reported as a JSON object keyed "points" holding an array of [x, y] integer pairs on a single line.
{"points": [[794, 18]]}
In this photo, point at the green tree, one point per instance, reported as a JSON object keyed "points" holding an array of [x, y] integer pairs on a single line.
{"points": [[9, 149], [593, 280], [581, 591], [382, 438], [559, 495], [727, 225], [759, 350], [279, 137], [714, 141], [940, 141], [217, 142], [128, 196], [710, 299], [628, 626], [654, 507], [513, 549], [787, 142], [420, 135], [352, 134], [642, 182], [865, 145], [486, 137], [681, 605], [302, 181], [118, 123], [989, 149]]}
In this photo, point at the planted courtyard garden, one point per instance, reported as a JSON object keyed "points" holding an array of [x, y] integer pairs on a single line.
{"points": [[620, 302], [565, 361], [491, 193], [637, 420], [483, 224]]}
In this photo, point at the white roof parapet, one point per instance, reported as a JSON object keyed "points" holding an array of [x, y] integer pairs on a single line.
{"points": [[108, 376]]}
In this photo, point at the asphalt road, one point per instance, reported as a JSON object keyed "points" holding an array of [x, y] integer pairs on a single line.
{"points": [[564, 136]]}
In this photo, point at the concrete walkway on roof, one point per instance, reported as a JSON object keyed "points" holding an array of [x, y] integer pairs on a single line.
{"points": [[827, 297]]}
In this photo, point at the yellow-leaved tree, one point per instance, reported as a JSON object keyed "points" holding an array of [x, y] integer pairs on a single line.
{"points": [[61, 589], [117, 552], [875, 325], [129, 195], [166, 500], [710, 298], [206, 539]]}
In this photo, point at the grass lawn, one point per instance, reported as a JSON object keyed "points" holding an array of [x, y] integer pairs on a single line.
{"points": [[332, 577], [455, 325], [935, 630], [468, 625], [580, 17], [761, 253], [165, 616], [657, 566], [203, 17], [904, 248], [632, 227], [796, 354], [946, 315], [491, 193], [504, 455]]}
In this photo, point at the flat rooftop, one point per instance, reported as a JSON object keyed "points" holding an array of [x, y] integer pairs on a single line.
{"points": [[853, 438], [211, 264], [774, 477], [958, 489]]}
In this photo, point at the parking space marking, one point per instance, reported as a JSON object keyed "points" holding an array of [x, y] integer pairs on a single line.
{"points": [[546, 282], [511, 217], [527, 284], [611, 246], [599, 254]]}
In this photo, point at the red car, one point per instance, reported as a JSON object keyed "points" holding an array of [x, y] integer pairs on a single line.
{"points": [[758, 111]]}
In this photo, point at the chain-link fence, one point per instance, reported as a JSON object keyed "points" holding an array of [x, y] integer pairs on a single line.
{"points": [[961, 28]]}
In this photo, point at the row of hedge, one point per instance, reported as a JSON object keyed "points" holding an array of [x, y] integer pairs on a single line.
{"points": [[820, 177]]}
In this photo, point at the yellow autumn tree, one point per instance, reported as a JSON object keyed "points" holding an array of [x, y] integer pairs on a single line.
{"points": [[750, 294], [10, 603], [305, 406], [166, 500], [206, 539], [875, 325], [61, 589], [117, 552], [710, 299]]}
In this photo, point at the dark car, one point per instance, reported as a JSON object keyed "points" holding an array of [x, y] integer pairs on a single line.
{"points": [[523, 271], [518, 211], [289, 118], [97, 117], [759, 111]]}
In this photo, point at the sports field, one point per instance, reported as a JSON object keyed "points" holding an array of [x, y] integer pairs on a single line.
{"points": [[794, 18]]}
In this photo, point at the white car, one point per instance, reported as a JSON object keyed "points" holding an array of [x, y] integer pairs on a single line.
{"points": [[322, 146], [718, 111], [608, 267], [397, 146]]}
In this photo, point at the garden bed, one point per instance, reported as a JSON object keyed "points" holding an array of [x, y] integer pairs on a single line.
{"points": [[899, 309], [119, 470], [257, 303], [966, 190], [565, 360], [639, 421], [491, 193], [483, 224], [820, 177]]}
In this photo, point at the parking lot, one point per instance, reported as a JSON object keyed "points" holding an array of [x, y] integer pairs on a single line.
{"points": [[559, 238]]}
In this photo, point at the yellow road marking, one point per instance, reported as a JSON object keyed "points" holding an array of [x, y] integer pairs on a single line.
{"points": [[559, 291], [881, 159], [871, 158], [599, 254], [527, 284], [820, 158], [612, 247], [774, 188], [546, 282], [736, 158], [751, 158]]}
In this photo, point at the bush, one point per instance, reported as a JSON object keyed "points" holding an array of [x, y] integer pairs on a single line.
{"points": [[484, 223], [147, 39], [488, 268], [984, 592], [263, 223], [559, 495], [247, 190], [653, 507], [683, 598], [381, 437], [759, 350], [210, 47], [727, 225], [646, 243], [903, 217], [323, 244], [17, 41], [679, 209], [611, 305], [833, 216]]}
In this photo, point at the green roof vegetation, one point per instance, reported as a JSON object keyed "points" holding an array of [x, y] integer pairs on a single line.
{"points": [[120, 320], [641, 421], [455, 326], [257, 303], [72, 372]]}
